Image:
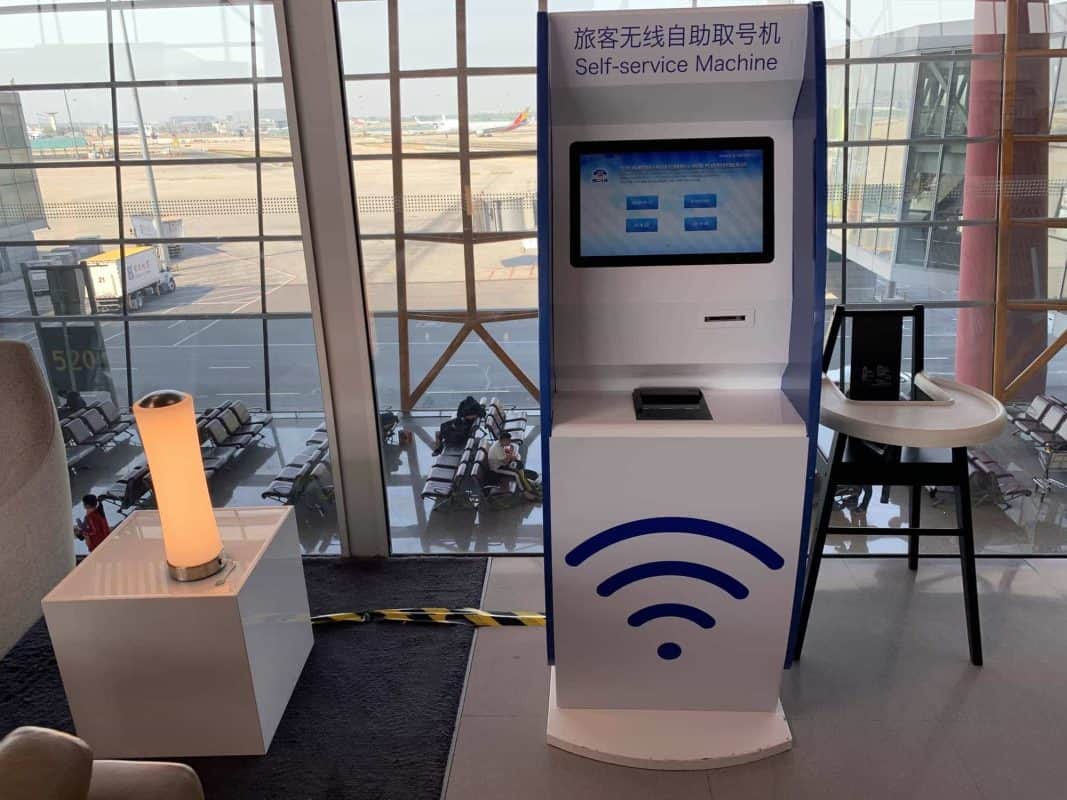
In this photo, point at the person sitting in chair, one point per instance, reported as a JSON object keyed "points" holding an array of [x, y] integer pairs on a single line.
{"points": [[504, 461]]}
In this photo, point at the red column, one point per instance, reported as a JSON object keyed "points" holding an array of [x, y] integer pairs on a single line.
{"points": [[1027, 247]]}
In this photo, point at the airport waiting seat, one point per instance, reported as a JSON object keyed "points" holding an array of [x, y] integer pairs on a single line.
{"points": [[249, 417], [1031, 417], [494, 488], [322, 479], [217, 458], [496, 427], [510, 416], [76, 454], [77, 432], [1049, 433], [287, 488], [220, 437], [98, 424], [446, 464], [118, 423], [249, 422], [319, 436], [309, 453], [446, 491], [235, 427], [130, 488], [995, 482]]}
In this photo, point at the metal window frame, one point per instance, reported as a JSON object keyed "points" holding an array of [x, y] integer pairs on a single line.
{"points": [[318, 127]]}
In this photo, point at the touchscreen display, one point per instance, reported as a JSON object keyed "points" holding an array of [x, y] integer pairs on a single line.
{"points": [[671, 202]]}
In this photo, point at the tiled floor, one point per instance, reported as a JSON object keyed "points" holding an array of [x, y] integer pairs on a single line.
{"points": [[884, 704]]}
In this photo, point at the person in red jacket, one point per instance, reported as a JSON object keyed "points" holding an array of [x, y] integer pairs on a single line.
{"points": [[94, 528]]}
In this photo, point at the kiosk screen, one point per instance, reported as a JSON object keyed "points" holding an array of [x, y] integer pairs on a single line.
{"points": [[678, 201]]}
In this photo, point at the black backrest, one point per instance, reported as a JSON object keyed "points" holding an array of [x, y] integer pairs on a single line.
{"points": [[877, 349]]}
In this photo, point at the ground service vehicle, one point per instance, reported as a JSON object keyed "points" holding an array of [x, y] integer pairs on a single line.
{"points": [[145, 276]]}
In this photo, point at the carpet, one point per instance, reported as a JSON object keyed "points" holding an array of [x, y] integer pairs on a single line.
{"points": [[373, 713]]}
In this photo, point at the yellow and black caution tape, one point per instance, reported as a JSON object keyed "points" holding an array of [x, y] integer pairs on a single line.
{"points": [[444, 616]]}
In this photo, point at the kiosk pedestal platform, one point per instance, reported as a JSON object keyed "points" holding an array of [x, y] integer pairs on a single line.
{"points": [[667, 740]]}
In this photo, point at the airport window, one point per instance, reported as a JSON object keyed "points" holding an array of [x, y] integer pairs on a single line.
{"points": [[443, 141], [149, 228]]}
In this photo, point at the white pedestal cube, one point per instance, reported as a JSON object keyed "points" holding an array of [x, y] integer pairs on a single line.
{"points": [[157, 668]]}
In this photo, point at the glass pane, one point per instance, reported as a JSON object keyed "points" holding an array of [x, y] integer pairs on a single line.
{"points": [[281, 214], [835, 102], [294, 366], [369, 128], [427, 34], [35, 47], [501, 112], [506, 274], [374, 195], [504, 192], [428, 107], [379, 274], [286, 277], [473, 370], [193, 42], [385, 356], [58, 203], [364, 28], [186, 122], [49, 125], [519, 339], [1038, 263], [431, 196], [919, 263], [861, 100], [203, 200], [835, 163], [1040, 178], [1029, 333], [874, 185], [213, 360], [207, 278], [268, 58], [435, 276], [501, 34], [273, 121], [884, 27]]}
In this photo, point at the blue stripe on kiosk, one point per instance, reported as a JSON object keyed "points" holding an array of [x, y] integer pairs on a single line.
{"points": [[682, 261]]}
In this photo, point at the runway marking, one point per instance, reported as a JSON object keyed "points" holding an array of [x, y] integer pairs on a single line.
{"points": [[212, 324], [113, 336], [230, 366]]}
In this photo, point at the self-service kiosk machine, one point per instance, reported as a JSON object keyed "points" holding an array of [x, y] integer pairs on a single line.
{"points": [[682, 262]]}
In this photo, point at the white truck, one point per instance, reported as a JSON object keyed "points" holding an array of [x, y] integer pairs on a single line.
{"points": [[145, 276], [143, 226]]}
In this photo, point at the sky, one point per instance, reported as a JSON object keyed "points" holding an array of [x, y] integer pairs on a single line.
{"points": [[70, 45]]}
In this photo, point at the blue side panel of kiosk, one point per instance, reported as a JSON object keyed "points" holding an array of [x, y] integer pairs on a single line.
{"points": [[802, 379], [544, 296]]}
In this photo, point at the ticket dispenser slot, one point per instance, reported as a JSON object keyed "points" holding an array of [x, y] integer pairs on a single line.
{"points": [[676, 402]]}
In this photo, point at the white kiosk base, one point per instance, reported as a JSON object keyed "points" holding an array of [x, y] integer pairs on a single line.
{"points": [[667, 740]]}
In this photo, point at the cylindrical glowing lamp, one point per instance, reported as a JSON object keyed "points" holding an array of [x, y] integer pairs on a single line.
{"points": [[166, 423]]}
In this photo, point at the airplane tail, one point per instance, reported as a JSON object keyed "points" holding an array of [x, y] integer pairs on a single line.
{"points": [[523, 118]]}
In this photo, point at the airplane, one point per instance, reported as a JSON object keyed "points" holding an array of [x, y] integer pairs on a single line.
{"points": [[445, 125]]}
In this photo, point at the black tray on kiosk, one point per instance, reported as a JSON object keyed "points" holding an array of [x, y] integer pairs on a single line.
{"points": [[670, 402]]}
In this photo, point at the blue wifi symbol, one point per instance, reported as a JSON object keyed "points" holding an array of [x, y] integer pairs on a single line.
{"points": [[669, 651]]}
